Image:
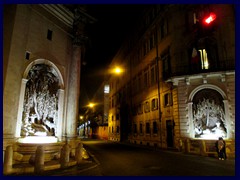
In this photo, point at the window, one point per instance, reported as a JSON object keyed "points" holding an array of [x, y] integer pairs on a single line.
{"points": [[134, 89], [155, 127], [112, 86], [163, 29], [166, 64], [148, 128], [204, 55], [112, 118], [151, 41], [134, 110], [153, 74], [141, 128], [199, 59], [146, 76], [117, 117], [167, 99], [27, 55], [112, 129], [106, 89], [204, 58], [154, 104], [49, 35], [140, 108], [145, 48], [146, 107], [140, 81], [140, 53], [117, 129], [135, 128]]}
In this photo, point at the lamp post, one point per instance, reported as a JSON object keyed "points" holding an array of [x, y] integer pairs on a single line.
{"points": [[80, 125], [90, 111]]}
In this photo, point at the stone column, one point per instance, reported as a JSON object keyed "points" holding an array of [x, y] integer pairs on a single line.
{"points": [[228, 120], [79, 40], [60, 124], [20, 108], [73, 92], [190, 120]]}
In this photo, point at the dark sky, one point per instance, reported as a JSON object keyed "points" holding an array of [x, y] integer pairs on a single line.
{"points": [[106, 35]]}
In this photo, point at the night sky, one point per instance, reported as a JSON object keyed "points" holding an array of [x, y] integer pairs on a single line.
{"points": [[106, 35]]}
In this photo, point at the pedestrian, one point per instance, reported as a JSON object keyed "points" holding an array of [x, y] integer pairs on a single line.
{"points": [[220, 147]]}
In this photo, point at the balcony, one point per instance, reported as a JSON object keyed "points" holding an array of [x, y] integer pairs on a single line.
{"points": [[227, 65]]}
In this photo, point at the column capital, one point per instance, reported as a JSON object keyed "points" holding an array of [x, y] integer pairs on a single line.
{"points": [[81, 18]]}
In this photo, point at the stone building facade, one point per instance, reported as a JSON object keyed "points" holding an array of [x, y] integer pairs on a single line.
{"points": [[43, 48], [178, 88]]}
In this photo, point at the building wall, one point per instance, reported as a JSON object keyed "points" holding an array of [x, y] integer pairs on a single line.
{"points": [[28, 33], [103, 132], [178, 80]]}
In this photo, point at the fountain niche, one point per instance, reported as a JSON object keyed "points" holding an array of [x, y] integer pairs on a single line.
{"points": [[40, 109], [208, 115]]}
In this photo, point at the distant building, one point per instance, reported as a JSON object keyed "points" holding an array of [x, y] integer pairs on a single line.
{"points": [[178, 88], [98, 114]]}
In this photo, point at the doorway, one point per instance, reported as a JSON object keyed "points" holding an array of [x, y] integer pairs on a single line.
{"points": [[169, 127]]}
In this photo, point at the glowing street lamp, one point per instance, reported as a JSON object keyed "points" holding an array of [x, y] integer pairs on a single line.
{"points": [[91, 105], [118, 70]]}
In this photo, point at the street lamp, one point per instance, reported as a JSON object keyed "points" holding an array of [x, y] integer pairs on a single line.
{"points": [[91, 105], [80, 127], [117, 70], [91, 117]]}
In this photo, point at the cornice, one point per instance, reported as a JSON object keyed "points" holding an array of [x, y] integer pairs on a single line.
{"points": [[60, 12]]}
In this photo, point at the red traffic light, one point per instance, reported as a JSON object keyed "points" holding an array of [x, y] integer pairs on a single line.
{"points": [[209, 19]]}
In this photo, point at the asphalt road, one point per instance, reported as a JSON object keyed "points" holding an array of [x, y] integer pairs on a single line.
{"points": [[116, 159]]}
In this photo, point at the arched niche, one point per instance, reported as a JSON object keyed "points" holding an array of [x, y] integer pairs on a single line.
{"points": [[41, 101], [208, 113]]}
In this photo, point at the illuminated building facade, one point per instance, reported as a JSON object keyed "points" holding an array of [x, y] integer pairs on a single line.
{"points": [[178, 88], [43, 48], [98, 114]]}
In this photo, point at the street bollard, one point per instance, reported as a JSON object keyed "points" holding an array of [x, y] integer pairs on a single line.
{"points": [[202, 145], [78, 155], [187, 145], [39, 160], [65, 155], [8, 160]]}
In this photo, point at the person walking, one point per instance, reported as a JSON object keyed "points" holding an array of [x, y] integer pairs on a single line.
{"points": [[220, 147]]}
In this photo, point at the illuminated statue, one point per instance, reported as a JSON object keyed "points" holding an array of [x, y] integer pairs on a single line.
{"points": [[208, 120], [41, 102]]}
